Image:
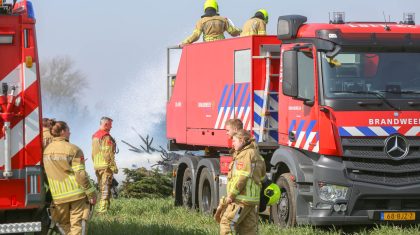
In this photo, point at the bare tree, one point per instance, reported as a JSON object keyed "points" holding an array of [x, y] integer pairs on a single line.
{"points": [[62, 84], [167, 158]]}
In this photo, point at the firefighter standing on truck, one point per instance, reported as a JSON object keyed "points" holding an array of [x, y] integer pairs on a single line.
{"points": [[256, 25], [246, 172], [103, 156], [212, 25], [72, 192]]}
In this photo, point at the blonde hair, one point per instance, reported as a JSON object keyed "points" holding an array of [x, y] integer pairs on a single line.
{"points": [[243, 135], [235, 123]]}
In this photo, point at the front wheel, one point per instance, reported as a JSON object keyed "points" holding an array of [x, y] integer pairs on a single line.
{"points": [[284, 213]]}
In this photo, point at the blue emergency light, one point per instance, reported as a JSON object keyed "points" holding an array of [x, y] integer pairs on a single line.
{"points": [[30, 10]]}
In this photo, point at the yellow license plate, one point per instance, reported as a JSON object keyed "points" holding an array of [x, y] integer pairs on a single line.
{"points": [[398, 216]]}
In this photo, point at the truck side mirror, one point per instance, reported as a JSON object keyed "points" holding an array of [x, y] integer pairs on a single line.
{"points": [[290, 73]]}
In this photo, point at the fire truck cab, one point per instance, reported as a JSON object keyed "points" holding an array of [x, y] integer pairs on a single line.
{"points": [[22, 192], [334, 108]]}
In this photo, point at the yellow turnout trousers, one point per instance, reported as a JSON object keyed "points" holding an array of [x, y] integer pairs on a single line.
{"points": [[239, 219], [72, 217], [104, 183]]}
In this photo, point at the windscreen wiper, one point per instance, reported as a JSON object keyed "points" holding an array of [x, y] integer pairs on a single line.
{"points": [[403, 92], [378, 94], [411, 103]]}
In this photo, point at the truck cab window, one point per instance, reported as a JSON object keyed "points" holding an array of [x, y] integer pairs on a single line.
{"points": [[358, 73], [306, 75]]}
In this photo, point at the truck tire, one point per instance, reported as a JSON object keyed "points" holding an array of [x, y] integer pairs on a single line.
{"points": [[187, 188], [284, 213], [206, 192]]}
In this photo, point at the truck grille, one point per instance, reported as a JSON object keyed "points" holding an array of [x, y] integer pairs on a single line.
{"points": [[366, 161]]}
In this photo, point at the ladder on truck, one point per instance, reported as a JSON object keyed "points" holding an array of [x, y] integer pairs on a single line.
{"points": [[266, 101]]}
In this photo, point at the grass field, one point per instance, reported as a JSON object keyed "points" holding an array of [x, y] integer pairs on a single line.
{"points": [[160, 216]]}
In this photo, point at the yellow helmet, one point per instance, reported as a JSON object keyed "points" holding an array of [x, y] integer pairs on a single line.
{"points": [[265, 13], [211, 3], [273, 193]]}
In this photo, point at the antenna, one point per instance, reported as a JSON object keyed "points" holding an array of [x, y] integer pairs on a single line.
{"points": [[387, 28], [329, 17]]}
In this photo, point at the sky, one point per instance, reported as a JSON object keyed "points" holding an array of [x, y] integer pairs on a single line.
{"points": [[121, 48]]}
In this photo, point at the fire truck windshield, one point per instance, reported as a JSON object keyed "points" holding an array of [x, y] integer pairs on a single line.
{"points": [[364, 74]]}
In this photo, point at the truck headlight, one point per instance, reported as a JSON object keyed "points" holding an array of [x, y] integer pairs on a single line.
{"points": [[331, 192]]}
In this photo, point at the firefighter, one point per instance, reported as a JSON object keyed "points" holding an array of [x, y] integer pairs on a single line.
{"points": [[103, 156], [232, 126], [71, 189], [246, 172], [212, 25], [256, 25], [46, 134]]}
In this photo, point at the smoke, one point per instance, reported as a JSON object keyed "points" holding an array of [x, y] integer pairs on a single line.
{"points": [[140, 104], [137, 102]]}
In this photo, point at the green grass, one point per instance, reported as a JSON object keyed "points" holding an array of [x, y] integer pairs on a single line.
{"points": [[160, 217]]}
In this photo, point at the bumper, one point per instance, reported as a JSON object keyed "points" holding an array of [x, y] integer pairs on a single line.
{"points": [[20, 227], [323, 217], [365, 201]]}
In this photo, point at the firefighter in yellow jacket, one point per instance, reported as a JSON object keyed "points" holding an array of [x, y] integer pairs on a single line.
{"points": [[46, 135], [246, 172], [70, 186], [212, 25], [256, 25], [103, 156]]}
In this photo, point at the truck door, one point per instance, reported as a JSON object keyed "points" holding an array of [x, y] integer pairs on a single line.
{"points": [[299, 128]]}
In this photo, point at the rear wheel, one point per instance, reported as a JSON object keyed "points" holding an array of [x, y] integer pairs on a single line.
{"points": [[284, 213], [187, 188], [206, 190]]}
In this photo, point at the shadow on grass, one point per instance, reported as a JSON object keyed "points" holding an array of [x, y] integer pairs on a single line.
{"points": [[129, 228]]}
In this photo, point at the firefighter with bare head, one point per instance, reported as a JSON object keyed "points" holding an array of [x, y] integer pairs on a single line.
{"points": [[72, 191], [256, 25], [232, 126], [212, 25], [103, 156], [246, 172]]}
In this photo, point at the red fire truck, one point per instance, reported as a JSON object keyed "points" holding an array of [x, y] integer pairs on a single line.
{"points": [[334, 108], [21, 175]]}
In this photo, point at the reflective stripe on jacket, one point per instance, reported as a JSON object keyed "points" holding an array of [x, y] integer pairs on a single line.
{"points": [[246, 172], [65, 168]]}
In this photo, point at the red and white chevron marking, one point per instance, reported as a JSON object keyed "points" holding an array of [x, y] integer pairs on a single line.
{"points": [[240, 113], [310, 144], [25, 129]]}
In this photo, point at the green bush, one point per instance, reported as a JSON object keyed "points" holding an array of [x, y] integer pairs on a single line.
{"points": [[143, 183]]}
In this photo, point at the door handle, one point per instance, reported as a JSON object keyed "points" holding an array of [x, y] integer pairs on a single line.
{"points": [[292, 136]]}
